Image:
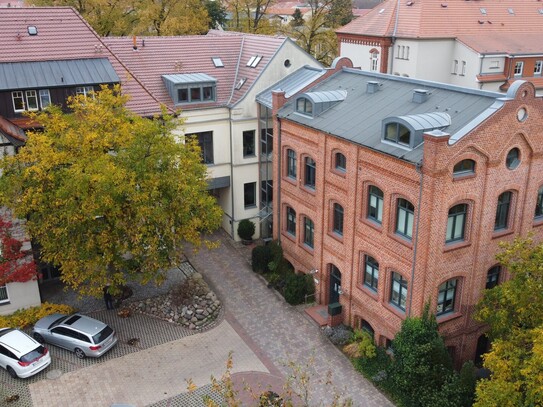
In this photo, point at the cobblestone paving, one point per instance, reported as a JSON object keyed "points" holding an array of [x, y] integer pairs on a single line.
{"points": [[281, 332]]}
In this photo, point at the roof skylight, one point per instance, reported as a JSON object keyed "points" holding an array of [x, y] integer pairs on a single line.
{"points": [[254, 61], [483, 11], [32, 30], [240, 83], [511, 11], [217, 62]]}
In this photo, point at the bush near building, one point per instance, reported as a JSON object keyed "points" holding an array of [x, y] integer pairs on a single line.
{"points": [[24, 318]]}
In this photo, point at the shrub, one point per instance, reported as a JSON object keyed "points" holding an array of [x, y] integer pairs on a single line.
{"points": [[361, 346], [246, 229], [297, 287], [260, 258], [184, 292], [24, 318]]}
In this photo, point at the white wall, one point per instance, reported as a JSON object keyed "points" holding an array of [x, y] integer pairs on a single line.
{"points": [[464, 54], [360, 54], [21, 295]]}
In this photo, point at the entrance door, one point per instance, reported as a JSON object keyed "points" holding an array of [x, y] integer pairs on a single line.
{"points": [[335, 284]]}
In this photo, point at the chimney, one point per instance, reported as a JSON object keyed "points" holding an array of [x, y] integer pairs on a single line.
{"points": [[134, 43], [420, 95], [373, 86], [278, 100]]}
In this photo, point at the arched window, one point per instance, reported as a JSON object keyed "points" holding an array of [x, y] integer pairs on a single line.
{"points": [[341, 162], [375, 204], [397, 133], [398, 291], [446, 296], [291, 163], [304, 105], [309, 232], [310, 172], [539, 203], [338, 219], [371, 272], [404, 218], [456, 223], [502, 210], [366, 326], [493, 277], [291, 221], [513, 158], [464, 167]]}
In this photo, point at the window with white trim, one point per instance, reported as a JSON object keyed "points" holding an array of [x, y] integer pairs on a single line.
{"points": [[45, 98], [519, 65], [30, 100], [374, 62], [538, 67], [18, 101], [84, 90]]}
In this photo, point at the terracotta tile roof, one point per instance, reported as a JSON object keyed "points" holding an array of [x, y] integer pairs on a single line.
{"points": [[287, 8], [448, 18], [12, 131], [62, 34], [505, 43], [157, 56], [358, 12]]}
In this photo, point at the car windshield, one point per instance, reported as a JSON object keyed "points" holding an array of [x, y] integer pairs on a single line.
{"points": [[33, 355], [58, 321], [102, 335]]}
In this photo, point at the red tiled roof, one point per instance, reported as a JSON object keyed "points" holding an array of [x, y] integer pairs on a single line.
{"points": [[11, 129], [505, 43], [157, 56], [63, 34], [447, 18], [359, 12], [287, 8]]}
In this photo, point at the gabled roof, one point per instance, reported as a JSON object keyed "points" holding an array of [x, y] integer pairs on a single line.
{"points": [[62, 34], [60, 73], [158, 56], [360, 117], [447, 18], [12, 132]]}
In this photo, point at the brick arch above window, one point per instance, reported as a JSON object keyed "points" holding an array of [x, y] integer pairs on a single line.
{"points": [[339, 162], [448, 296], [452, 225], [374, 51]]}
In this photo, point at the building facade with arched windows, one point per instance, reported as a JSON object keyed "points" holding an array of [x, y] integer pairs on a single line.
{"points": [[413, 186]]}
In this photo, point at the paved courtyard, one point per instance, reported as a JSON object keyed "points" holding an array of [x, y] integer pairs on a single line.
{"points": [[263, 333]]}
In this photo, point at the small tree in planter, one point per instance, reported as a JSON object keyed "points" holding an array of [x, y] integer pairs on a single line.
{"points": [[246, 230]]}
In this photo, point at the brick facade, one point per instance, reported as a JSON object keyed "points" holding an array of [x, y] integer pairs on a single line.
{"points": [[425, 260]]}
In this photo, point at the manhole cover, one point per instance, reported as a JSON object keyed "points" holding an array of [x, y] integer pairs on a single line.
{"points": [[53, 374]]}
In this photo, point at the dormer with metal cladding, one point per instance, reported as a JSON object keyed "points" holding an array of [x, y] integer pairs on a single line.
{"points": [[190, 88], [407, 131], [315, 103]]}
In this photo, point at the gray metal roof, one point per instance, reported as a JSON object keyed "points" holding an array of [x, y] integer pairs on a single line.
{"points": [[291, 84], [60, 73], [326, 96], [179, 79], [360, 116], [427, 121]]}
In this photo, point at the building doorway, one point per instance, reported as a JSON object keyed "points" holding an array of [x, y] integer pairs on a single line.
{"points": [[335, 284]]}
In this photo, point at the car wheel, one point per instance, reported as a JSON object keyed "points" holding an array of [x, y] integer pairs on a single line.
{"points": [[12, 372], [38, 337], [79, 353]]}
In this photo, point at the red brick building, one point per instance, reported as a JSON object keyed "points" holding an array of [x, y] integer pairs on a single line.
{"points": [[395, 192]]}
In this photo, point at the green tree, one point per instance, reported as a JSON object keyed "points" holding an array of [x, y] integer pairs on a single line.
{"points": [[216, 12], [421, 364], [514, 312], [341, 13], [109, 196], [297, 18], [248, 16]]}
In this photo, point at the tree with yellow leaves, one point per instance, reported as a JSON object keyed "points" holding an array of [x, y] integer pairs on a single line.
{"points": [[110, 197], [514, 312]]}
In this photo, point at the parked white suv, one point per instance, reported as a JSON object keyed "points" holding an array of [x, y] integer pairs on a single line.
{"points": [[21, 355]]}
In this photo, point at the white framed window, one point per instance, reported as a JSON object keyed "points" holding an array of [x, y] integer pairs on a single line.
{"points": [[18, 101], [463, 72], [374, 61], [31, 100], [45, 98], [4, 295], [519, 65], [454, 69], [84, 90], [538, 67], [494, 64]]}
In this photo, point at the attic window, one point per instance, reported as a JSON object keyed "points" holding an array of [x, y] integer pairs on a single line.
{"points": [[217, 62], [540, 11], [483, 11], [254, 61], [190, 88], [381, 11], [304, 106], [240, 83], [397, 133], [32, 30]]}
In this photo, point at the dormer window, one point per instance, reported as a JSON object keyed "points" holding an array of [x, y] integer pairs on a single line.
{"points": [[397, 133], [407, 131], [305, 106], [190, 88]]}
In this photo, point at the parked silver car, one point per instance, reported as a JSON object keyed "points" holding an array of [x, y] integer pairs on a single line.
{"points": [[78, 333], [21, 355]]}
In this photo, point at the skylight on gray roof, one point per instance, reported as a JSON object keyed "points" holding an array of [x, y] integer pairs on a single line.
{"points": [[217, 62]]}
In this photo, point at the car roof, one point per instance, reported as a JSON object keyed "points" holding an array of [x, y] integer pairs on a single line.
{"points": [[84, 324], [17, 342]]}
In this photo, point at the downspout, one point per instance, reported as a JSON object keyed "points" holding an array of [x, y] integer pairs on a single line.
{"points": [[481, 71], [233, 218], [393, 39], [352, 240], [418, 167], [279, 156]]}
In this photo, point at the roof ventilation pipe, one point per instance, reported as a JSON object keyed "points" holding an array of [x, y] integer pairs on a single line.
{"points": [[420, 95], [373, 86]]}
